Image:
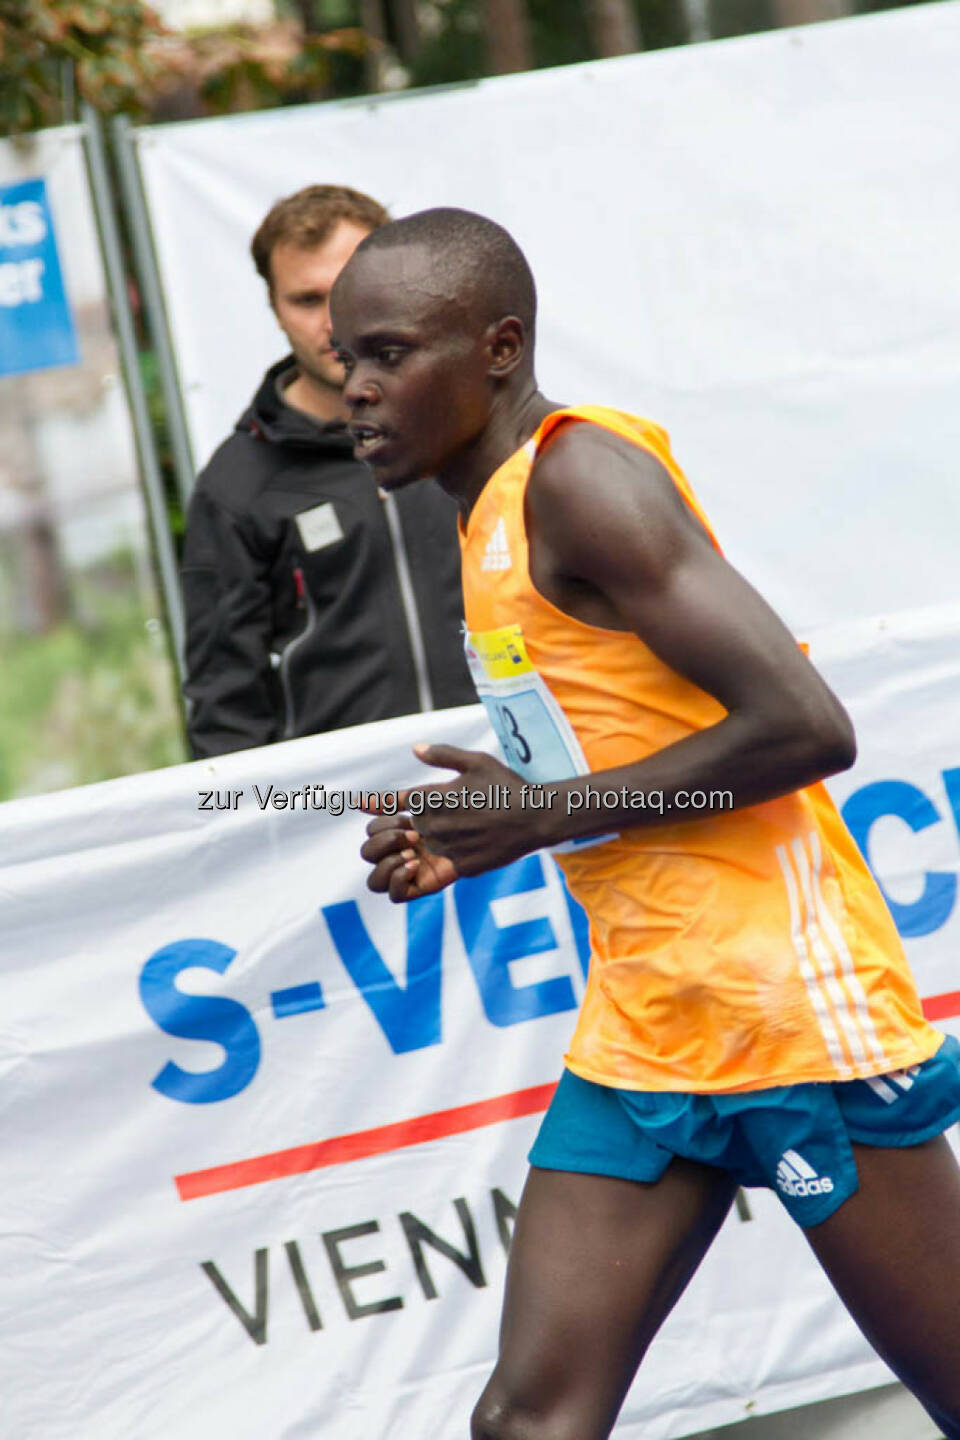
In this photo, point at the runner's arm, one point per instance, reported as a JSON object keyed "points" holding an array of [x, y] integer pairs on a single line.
{"points": [[634, 555]]}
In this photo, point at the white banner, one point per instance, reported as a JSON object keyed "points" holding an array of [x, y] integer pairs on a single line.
{"points": [[754, 242], [265, 1132]]}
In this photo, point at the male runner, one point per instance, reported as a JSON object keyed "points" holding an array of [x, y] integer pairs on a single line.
{"points": [[749, 1017]]}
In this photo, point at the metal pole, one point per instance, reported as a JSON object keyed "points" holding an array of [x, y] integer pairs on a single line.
{"points": [[697, 15], [148, 273], [127, 343]]}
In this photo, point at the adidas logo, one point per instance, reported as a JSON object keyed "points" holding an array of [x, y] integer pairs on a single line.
{"points": [[796, 1178], [497, 554]]}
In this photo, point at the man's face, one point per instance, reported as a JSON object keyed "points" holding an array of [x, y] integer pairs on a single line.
{"points": [[300, 296], [417, 367]]}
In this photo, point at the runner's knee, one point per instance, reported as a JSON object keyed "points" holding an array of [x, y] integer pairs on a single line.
{"points": [[496, 1417]]}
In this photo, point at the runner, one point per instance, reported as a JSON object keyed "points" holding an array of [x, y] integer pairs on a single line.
{"points": [[749, 1016]]}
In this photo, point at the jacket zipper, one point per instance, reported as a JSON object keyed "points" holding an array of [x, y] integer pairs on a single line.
{"points": [[408, 600], [303, 594]]}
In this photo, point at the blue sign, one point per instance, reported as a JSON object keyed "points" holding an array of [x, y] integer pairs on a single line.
{"points": [[36, 326], [409, 1011]]}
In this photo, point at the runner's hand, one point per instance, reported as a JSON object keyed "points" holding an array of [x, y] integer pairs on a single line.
{"points": [[421, 850], [403, 868]]}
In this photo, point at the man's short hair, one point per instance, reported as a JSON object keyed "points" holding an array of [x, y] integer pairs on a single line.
{"points": [[309, 218], [476, 256]]}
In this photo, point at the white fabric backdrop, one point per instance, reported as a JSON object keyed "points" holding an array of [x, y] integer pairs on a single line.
{"points": [[753, 241], [111, 1327]]}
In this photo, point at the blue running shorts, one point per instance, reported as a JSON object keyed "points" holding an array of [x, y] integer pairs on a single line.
{"points": [[794, 1139]]}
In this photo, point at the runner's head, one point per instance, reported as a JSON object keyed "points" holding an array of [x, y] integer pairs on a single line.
{"points": [[433, 320]]}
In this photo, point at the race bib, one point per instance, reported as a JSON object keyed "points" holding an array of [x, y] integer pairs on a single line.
{"points": [[535, 736]]}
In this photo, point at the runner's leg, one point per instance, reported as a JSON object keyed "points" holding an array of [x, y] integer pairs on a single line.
{"points": [[893, 1253], [595, 1267]]}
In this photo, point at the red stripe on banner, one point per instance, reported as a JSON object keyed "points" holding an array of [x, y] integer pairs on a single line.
{"points": [[941, 1007], [363, 1143], [342, 1149]]}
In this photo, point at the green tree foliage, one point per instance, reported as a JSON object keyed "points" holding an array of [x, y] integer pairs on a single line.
{"points": [[44, 43], [118, 55]]}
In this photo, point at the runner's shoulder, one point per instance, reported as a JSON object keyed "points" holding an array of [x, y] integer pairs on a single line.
{"points": [[583, 463]]}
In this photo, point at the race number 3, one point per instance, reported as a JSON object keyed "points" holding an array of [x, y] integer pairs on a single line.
{"points": [[536, 738], [513, 742]]}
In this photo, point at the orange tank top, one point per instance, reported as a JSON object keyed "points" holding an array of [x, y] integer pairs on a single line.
{"points": [[736, 951]]}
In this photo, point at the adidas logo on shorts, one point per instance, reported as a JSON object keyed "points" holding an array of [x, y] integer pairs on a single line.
{"points": [[797, 1179]]}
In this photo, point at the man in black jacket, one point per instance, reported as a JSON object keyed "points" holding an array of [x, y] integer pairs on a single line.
{"points": [[312, 602]]}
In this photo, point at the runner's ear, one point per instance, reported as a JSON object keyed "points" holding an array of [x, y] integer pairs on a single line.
{"points": [[508, 346]]}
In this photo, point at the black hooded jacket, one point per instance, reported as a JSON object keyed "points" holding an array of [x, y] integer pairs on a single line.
{"points": [[311, 602]]}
